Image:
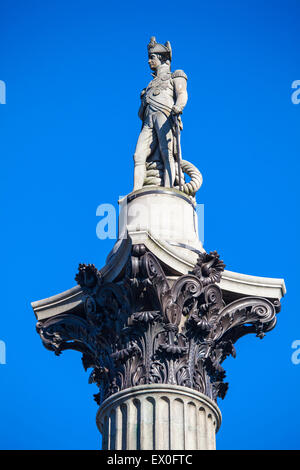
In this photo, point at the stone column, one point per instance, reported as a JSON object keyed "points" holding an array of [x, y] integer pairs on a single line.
{"points": [[158, 417], [156, 344], [153, 325]]}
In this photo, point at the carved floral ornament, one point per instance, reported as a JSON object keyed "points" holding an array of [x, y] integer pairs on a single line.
{"points": [[146, 329]]}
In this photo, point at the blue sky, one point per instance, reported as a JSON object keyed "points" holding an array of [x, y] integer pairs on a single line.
{"points": [[73, 72]]}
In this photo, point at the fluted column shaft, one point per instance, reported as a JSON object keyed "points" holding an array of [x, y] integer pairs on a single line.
{"points": [[158, 417]]}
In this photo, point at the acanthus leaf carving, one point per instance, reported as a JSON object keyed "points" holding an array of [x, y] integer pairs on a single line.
{"points": [[143, 329]]}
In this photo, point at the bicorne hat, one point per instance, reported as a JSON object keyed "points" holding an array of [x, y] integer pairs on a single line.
{"points": [[156, 48]]}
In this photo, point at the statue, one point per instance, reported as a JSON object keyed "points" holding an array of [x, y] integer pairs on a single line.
{"points": [[162, 103]]}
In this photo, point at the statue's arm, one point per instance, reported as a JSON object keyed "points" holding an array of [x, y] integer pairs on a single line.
{"points": [[143, 105], [180, 85]]}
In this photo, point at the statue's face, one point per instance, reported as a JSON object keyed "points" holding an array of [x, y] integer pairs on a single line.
{"points": [[153, 61]]}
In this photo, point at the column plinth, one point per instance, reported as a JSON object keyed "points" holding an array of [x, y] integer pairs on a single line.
{"points": [[158, 417]]}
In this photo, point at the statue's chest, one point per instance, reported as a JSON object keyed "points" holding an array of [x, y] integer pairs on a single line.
{"points": [[161, 84]]}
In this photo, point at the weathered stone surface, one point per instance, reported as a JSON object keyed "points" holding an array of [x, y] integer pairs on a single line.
{"points": [[147, 329], [179, 261], [167, 213]]}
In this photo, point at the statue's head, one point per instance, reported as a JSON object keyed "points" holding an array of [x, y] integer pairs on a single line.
{"points": [[158, 53]]}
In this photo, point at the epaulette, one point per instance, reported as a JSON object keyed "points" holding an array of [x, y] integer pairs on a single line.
{"points": [[179, 73]]}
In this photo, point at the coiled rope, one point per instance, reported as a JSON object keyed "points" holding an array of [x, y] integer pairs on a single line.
{"points": [[155, 171]]}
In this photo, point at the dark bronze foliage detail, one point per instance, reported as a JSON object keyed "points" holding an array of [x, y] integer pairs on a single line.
{"points": [[146, 329]]}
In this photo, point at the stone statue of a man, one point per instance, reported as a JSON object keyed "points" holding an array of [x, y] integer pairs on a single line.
{"points": [[161, 103]]}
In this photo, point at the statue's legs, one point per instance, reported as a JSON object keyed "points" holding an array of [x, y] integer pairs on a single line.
{"points": [[145, 146], [160, 134], [163, 128]]}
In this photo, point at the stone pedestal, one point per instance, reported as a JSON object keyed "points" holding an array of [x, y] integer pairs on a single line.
{"points": [[169, 214], [158, 417]]}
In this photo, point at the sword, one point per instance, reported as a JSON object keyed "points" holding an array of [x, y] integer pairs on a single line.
{"points": [[176, 122], [175, 118]]}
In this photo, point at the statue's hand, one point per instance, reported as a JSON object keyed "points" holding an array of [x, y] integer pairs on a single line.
{"points": [[176, 109], [142, 93]]}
